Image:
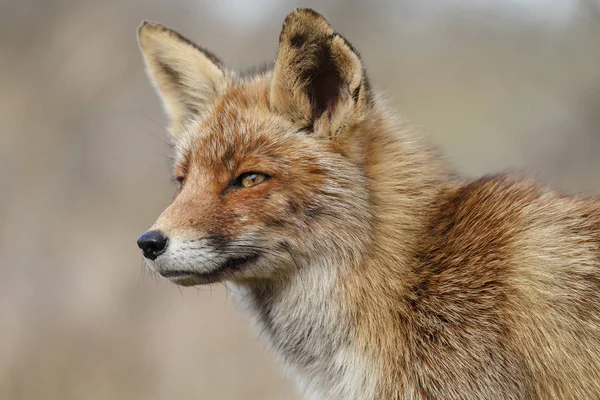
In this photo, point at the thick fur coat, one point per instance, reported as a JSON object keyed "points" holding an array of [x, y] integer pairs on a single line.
{"points": [[370, 269]]}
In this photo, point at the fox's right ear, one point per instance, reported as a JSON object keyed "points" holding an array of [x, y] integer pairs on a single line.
{"points": [[187, 77]]}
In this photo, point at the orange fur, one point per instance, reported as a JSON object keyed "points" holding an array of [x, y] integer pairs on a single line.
{"points": [[370, 269]]}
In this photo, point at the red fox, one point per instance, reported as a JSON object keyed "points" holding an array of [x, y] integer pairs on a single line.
{"points": [[370, 269]]}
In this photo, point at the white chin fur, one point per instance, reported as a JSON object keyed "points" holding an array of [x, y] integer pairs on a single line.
{"points": [[185, 255]]}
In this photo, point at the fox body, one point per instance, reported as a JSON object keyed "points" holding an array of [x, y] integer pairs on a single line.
{"points": [[370, 269]]}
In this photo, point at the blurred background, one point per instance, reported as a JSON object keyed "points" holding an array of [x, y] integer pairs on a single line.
{"points": [[83, 168]]}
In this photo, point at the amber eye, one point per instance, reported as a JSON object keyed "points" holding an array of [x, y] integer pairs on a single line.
{"points": [[249, 179], [252, 179]]}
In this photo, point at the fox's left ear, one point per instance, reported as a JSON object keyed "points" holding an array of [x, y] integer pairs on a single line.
{"points": [[318, 81], [188, 78]]}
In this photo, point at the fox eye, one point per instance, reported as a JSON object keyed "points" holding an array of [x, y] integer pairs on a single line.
{"points": [[179, 180], [249, 179]]}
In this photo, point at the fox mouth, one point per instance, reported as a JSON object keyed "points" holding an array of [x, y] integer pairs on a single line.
{"points": [[225, 269]]}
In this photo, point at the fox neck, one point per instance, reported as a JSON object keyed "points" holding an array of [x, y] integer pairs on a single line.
{"points": [[303, 323], [311, 320]]}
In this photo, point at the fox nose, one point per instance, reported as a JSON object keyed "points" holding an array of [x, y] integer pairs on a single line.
{"points": [[152, 243]]}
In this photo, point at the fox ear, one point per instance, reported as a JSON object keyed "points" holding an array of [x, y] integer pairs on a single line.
{"points": [[318, 81], [187, 77]]}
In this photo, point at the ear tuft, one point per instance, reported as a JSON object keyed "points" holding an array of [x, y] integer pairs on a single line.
{"points": [[318, 79], [187, 77]]}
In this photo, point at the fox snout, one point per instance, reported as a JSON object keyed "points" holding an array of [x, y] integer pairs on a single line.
{"points": [[193, 258]]}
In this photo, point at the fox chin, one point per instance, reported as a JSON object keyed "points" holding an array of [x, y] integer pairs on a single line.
{"points": [[369, 267]]}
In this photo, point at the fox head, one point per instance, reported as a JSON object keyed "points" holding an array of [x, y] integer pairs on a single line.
{"points": [[269, 166]]}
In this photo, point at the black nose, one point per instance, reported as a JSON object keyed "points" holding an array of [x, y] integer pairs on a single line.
{"points": [[152, 243]]}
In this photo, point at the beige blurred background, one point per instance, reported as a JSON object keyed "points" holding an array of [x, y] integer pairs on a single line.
{"points": [[83, 169]]}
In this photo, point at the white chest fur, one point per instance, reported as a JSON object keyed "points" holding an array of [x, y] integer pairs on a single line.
{"points": [[304, 327]]}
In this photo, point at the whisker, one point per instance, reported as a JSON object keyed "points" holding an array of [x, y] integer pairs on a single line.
{"points": [[159, 138], [228, 289], [236, 248], [143, 270], [161, 127], [168, 157], [231, 249]]}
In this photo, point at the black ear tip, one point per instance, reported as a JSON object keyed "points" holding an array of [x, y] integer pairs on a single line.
{"points": [[309, 11], [146, 24], [305, 22], [303, 16], [142, 27], [149, 29]]}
